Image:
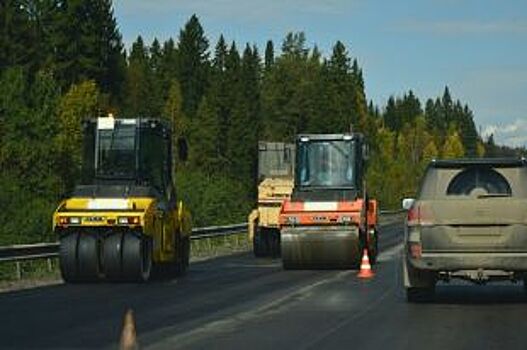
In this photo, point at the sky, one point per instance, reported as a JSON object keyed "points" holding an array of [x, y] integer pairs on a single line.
{"points": [[478, 48]]}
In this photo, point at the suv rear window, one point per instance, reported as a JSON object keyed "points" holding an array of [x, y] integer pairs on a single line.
{"points": [[459, 180], [479, 181]]}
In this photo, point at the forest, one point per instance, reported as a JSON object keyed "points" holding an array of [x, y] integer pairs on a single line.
{"points": [[62, 62]]}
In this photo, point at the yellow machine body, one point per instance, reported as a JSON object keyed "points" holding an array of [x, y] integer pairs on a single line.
{"points": [[275, 173], [137, 214], [123, 220]]}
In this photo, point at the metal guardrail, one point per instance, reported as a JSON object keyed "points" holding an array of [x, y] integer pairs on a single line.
{"points": [[50, 250], [21, 252]]}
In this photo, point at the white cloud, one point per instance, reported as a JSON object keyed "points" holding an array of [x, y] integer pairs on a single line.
{"points": [[456, 27], [511, 134]]}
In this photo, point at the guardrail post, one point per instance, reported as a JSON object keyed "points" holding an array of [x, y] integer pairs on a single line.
{"points": [[50, 265], [18, 270]]}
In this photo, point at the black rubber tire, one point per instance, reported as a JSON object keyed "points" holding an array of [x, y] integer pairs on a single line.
{"points": [[68, 257], [373, 251], [136, 258], [88, 258], [112, 253], [420, 295], [273, 237], [183, 262], [260, 243]]}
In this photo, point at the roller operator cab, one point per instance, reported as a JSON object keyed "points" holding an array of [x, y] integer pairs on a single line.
{"points": [[329, 219], [123, 221]]}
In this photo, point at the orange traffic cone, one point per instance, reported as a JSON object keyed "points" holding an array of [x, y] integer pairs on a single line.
{"points": [[365, 267], [128, 335]]}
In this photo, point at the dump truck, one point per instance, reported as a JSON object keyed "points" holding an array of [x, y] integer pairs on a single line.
{"points": [[123, 220], [275, 183], [329, 219]]}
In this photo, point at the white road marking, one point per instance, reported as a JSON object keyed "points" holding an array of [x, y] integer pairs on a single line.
{"points": [[238, 320]]}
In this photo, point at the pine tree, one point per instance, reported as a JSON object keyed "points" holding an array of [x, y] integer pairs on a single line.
{"points": [[244, 112], [87, 44], [157, 95], [16, 35], [138, 87], [204, 138], [269, 55], [340, 95], [193, 65]]}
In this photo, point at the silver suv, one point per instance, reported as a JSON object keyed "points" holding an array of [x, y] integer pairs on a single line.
{"points": [[469, 221]]}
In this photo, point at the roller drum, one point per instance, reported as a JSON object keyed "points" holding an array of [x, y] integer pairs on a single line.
{"points": [[324, 247]]}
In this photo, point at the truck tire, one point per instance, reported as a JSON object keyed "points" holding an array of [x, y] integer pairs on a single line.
{"points": [[68, 257], [112, 253], [88, 258], [136, 258], [260, 243], [274, 243]]}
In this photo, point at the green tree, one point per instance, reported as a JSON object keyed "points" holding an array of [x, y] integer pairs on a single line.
{"points": [[80, 103], [205, 138], [87, 44], [30, 186], [269, 55], [453, 147], [193, 64], [138, 82]]}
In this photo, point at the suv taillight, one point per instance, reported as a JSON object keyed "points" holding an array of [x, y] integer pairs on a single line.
{"points": [[415, 249], [414, 215], [420, 215]]}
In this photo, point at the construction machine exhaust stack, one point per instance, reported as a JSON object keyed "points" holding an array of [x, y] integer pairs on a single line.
{"points": [[329, 219]]}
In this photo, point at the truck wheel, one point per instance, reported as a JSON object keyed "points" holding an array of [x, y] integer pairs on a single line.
{"points": [[136, 258], [68, 257], [420, 295], [274, 243], [260, 242], [112, 252], [88, 258]]}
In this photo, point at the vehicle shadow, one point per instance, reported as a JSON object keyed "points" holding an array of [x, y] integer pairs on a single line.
{"points": [[480, 294]]}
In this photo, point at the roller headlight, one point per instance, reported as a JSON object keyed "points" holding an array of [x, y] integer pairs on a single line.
{"points": [[128, 220]]}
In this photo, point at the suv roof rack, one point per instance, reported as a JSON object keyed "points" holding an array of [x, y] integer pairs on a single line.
{"points": [[463, 162]]}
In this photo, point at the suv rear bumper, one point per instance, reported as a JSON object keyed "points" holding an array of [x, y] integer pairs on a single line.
{"points": [[457, 261]]}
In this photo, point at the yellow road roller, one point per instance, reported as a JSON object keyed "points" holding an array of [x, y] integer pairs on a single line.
{"points": [[123, 221]]}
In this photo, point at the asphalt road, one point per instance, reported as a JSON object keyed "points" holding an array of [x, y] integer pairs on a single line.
{"points": [[239, 302]]}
